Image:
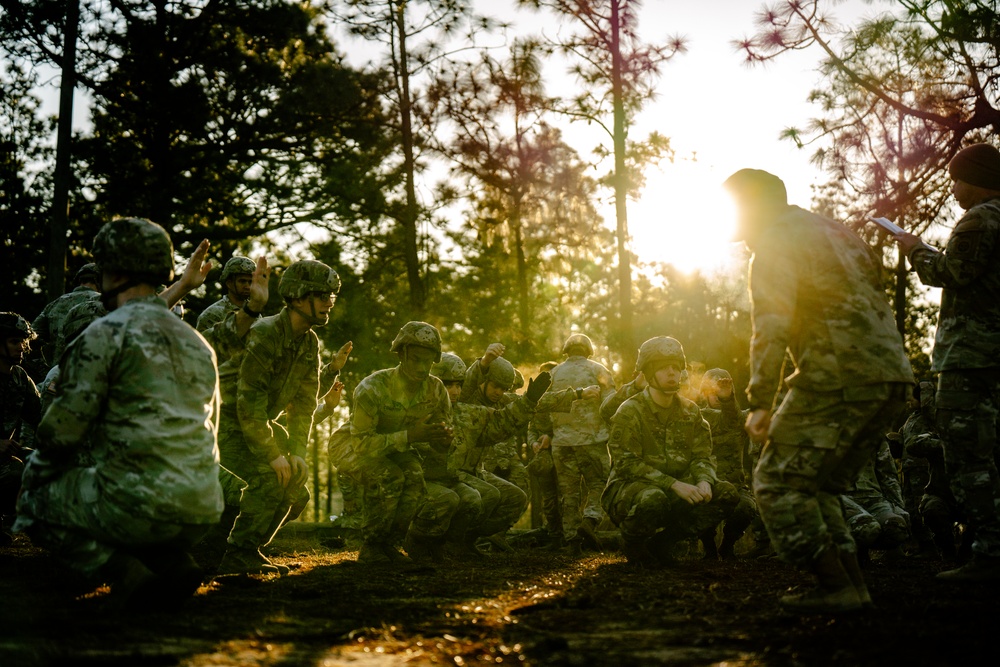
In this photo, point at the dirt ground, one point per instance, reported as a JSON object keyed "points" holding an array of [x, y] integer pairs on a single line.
{"points": [[528, 607]]}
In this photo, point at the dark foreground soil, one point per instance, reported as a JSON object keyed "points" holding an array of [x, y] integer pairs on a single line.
{"points": [[528, 607]]}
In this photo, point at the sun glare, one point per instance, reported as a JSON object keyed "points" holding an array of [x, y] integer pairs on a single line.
{"points": [[684, 218]]}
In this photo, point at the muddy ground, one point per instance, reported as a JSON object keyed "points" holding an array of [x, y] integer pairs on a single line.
{"points": [[528, 607]]}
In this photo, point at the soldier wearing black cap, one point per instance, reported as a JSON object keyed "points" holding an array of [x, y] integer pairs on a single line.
{"points": [[967, 349]]}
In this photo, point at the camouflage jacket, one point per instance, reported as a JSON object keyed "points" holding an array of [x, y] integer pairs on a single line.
{"points": [[611, 404], [660, 445], [815, 291], [968, 330], [582, 423], [730, 442], [139, 387], [383, 410], [478, 428], [48, 324], [278, 373], [215, 314], [20, 409]]}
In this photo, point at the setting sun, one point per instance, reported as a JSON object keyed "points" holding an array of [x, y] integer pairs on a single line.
{"points": [[684, 218]]}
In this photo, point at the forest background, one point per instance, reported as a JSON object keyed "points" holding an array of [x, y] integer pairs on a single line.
{"points": [[434, 169]]}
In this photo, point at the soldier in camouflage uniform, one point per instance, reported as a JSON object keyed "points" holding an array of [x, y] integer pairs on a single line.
{"points": [[579, 442], [915, 468], [398, 415], [49, 322], [278, 374], [237, 280], [815, 292], [873, 506], [663, 474], [967, 350], [138, 388], [20, 410], [730, 447]]}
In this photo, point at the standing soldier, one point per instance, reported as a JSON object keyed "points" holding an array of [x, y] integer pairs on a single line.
{"points": [[49, 322], [20, 409], [815, 292], [579, 442], [138, 388], [278, 374], [398, 413], [663, 476], [967, 350]]}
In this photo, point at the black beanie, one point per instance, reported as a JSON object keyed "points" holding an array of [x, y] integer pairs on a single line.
{"points": [[978, 164]]}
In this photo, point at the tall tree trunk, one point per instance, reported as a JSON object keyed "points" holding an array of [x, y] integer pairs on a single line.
{"points": [[56, 278], [523, 305], [418, 297], [627, 348]]}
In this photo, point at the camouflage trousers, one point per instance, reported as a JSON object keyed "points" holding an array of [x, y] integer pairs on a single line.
{"points": [[640, 508], [448, 511], [582, 473], [915, 473], [10, 484], [503, 503], [545, 489], [875, 522], [968, 404], [65, 512], [392, 490], [817, 446], [349, 480], [265, 505]]}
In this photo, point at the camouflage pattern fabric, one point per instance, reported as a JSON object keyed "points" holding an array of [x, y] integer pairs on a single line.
{"points": [[818, 445], [610, 405], [215, 314], [542, 470], [654, 447], [139, 388], [20, 409], [278, 376], [968, 404], [968, 330], [731, 449], [343, 458], [915, 471], [49, 322], [816, 291], [876, 522], [391, 472]]}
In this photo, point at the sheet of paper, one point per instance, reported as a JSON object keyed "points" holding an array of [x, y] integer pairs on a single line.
{"points": [[887, 224]]}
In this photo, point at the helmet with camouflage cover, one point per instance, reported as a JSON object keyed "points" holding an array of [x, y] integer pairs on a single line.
{"points": [[518, 380], [451, 368], [420, 334], [237, 266], [88, 273], [660, 349], [714, 375], [13, 325], [305, 276], [579, 342], [137, 247], [77, 319], [501, 373]]}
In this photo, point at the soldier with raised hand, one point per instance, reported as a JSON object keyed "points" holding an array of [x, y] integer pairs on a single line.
{"points": [[20, 412], [139, 388], [236, 280], [48, 324], [663, 477], [815, 293], [277, 372], [398, 414], [967, 350]]}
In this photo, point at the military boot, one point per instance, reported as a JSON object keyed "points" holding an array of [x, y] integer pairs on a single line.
{"points": [[423, 549], [130, 580], [835, 593], [853, 569], [246, 561], [708, 544], [979, 569], [637, 552], [587, 531]]}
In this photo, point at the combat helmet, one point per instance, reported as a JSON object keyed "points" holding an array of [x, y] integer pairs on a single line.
{"points": [[420, 334], [305, 276], [451, 368], [501, 373], [137, 247], [518, 380], [660, 349], [237, 266], [13, 325], [88, 273], [580, 341], [714, 375]]}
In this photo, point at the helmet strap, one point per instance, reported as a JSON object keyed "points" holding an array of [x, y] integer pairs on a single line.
{"points": [[313, 319]]}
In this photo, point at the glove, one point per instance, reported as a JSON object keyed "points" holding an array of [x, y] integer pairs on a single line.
{"points": [[537, 386]]}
